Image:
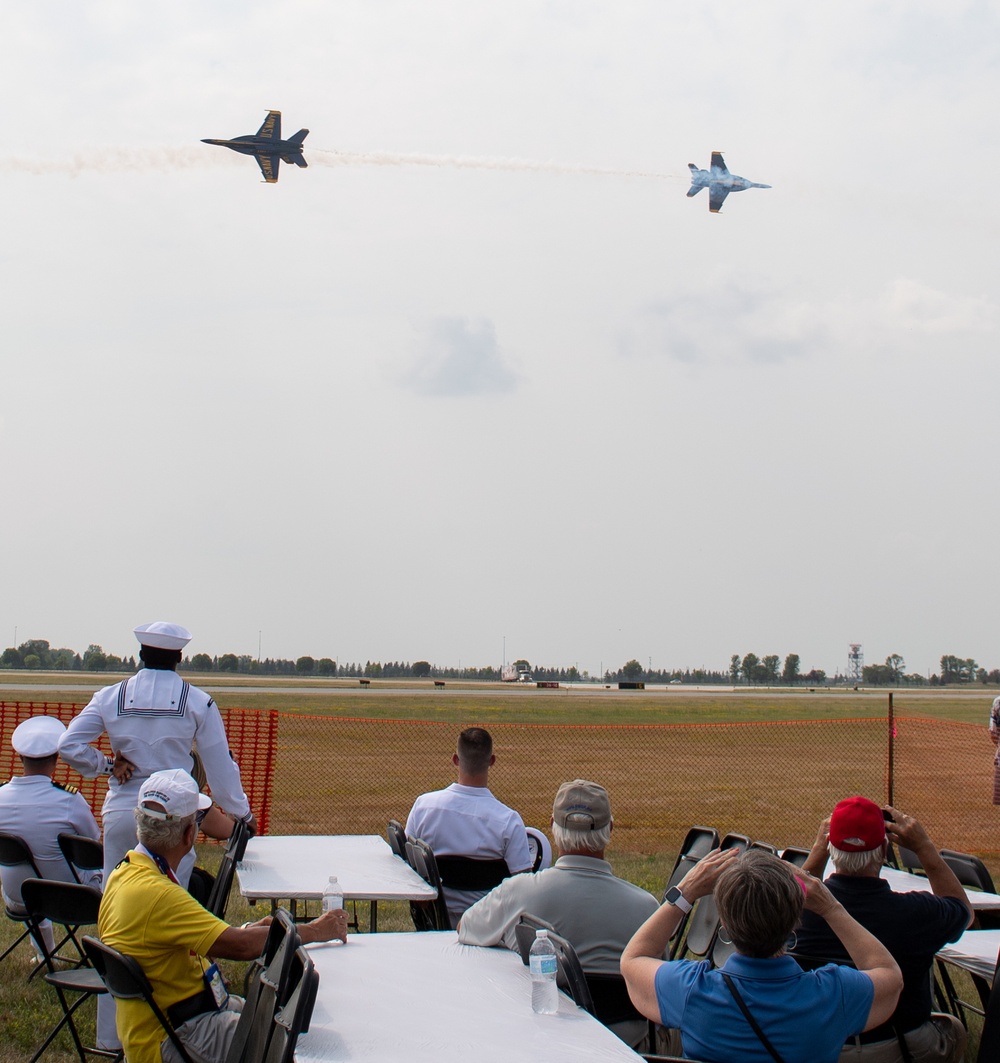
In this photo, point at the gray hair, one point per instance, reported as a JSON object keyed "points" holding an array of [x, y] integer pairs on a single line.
{"points": [[159, 834], [867, 862], [759, 901], [595, 841]]}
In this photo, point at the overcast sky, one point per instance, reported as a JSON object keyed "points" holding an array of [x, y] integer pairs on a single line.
{"points": [[474, 379]]}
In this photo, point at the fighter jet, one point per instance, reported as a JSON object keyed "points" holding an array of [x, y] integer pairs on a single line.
{"points": [[268, 147], [719, 182]]}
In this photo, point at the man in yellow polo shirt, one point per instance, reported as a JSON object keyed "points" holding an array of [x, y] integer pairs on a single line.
{"points": [[147, 914]]}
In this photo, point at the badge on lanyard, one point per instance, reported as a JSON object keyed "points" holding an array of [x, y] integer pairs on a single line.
{"points": [[216, 985]]}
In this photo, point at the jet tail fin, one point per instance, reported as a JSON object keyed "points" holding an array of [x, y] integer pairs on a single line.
{"points": [[296, 141]]}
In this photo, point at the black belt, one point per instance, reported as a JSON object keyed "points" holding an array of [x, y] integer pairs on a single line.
{"points": [[190, 1008]]}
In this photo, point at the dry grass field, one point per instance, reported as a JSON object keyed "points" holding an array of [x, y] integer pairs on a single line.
{"points": [[769, 764]]}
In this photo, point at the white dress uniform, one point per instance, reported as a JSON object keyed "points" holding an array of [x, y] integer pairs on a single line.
{"points": [[38, 810], [154, 719]]}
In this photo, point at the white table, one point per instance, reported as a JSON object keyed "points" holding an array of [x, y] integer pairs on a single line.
{"points": [[425, 998], [905, 882], [975, 951], [297, 866]]}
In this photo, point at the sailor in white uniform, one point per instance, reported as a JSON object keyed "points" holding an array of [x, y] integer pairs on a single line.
{"points": [[37, 809], [153, 720]]}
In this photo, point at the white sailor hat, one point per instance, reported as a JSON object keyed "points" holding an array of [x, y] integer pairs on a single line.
{"points": [[37, 737], [163, 636], [176, 791]]}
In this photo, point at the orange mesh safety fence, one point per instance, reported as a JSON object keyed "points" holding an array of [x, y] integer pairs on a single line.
{"points": [[253, 737], [772, 781]]}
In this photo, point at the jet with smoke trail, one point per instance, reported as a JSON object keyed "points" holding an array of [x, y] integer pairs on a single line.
{"points": [[719, 182], [268, 148]]}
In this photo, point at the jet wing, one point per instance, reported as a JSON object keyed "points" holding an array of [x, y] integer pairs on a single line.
{"points": [[716, 197], [718, 163], [268, 166], [271, 129]]}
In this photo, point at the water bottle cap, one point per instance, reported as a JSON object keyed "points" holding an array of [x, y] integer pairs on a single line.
{"points": [[333, 878], [541, 933]]}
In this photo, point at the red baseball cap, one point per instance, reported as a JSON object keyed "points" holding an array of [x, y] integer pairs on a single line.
{"points": [[857, 825]]}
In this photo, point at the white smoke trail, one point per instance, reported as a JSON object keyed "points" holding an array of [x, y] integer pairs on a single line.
{"points": [[118, 160], [163, 159], [325, 157]]}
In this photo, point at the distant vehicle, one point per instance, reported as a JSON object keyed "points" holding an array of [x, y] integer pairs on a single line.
{"points": [[510, 674], [719, 182], [675, 682], [268, 148]]}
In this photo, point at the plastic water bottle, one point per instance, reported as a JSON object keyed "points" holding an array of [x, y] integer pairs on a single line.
{"points": [[333, 895], [542, 961]]}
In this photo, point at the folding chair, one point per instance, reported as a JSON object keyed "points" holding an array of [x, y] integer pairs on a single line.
{"points": [[265, 979], [698, 842], [15, 852], [792, 854], [81, 853], [74, 905], [237, 844], [293, 1018], [703, 923], [989, 1039], [396, 836], [218, 898], [470, 873], [427, 915], [524, 933], [125, 980], [767, 847], [969, 870]]}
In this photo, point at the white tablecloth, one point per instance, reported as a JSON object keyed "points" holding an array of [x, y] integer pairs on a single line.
{"points": [[424, 998], [976, 951], [299, 865]]}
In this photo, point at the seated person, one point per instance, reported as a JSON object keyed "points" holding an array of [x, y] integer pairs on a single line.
{"points": [[760, 997], [37, 809], [912, 926], [580, 897], [148, 915], [465, 819]]}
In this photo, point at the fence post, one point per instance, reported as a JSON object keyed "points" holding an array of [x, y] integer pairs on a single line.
{"points": [[891, 749]]}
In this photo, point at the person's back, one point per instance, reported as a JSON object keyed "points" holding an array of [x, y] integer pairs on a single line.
{"points": [[465, 819], [37, 809], [912, 926]]}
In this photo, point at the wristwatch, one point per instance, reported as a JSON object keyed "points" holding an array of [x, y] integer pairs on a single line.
{"points": [[678, 900]]}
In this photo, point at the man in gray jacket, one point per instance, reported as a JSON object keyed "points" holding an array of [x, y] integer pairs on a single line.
{"points": [[579, 895]]}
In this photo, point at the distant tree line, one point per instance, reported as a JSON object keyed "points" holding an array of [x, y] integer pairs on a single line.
{"points": [[748, 669]]}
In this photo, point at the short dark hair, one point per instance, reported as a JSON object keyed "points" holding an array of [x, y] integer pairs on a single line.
{"points": [[475, 747], [164, 660], [759, 902]]}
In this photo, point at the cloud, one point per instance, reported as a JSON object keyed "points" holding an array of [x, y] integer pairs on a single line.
{"points": [[461, 357], [726, 322], [913, 306]]}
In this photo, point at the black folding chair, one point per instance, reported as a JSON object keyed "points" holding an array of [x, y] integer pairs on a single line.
{"points": [[74, 905], [81, 853], [15, 852], [698, 843], [703, 922], [125, 980], [218, 898], [427, 915], [262, 990], [237, 844], [396, 836], [989, 1039], [294, 1015], [792, 854]]}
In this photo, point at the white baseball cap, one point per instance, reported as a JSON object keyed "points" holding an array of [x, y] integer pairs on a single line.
{"points": [[176, 791], [163, 636], [37, 737]]}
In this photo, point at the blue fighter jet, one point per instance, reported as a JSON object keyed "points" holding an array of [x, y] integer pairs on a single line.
{"points": [[719, 182], [268, 147]]}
